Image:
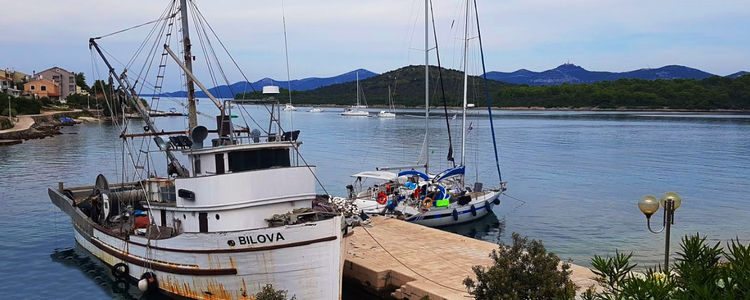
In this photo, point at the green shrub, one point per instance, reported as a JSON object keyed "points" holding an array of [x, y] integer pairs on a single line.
{"points": [[702, 271], [524, 270], [5, 123], [269, 293]]}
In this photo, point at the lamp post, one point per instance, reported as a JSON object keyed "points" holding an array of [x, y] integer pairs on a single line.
{"points": [[649, 205]]}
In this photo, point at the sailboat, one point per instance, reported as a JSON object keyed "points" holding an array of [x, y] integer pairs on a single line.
{"points": [[229, 216], [434, 200], [388, 114], [358, 109], [315, 110]]}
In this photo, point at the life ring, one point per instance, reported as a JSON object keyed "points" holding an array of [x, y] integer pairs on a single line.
{"points": [[120, 271], [427, 203], [417, 192], [382, 198]]}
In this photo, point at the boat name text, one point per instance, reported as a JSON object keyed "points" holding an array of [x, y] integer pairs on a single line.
{"points": [[260, 238]]}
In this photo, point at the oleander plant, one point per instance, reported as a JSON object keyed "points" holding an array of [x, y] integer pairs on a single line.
{"points": [[702, 271]]}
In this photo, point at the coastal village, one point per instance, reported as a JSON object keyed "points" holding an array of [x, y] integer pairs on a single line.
{"points": [[442, 187]]}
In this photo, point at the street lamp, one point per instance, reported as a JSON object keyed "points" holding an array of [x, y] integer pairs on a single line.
{"points": [[649, 205]]}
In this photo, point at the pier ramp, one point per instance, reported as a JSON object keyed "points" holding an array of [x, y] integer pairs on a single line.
{"points": [[408, 261]]}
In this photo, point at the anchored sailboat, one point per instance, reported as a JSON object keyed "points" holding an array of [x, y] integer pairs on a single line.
{"points": [[241, 214], [389, 114], [359, 109], [430, 199]]}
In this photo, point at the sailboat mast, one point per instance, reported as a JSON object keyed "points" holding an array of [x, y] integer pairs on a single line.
{"points": [[427, 85], [192, 111], [466, 86], [358, 89]]}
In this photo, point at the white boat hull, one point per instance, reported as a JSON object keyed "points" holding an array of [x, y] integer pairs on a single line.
{"points": [[356, 113], [441, 216], [305, 259]]}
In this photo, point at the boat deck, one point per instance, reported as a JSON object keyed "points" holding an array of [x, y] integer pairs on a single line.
{"points": [[443, 257]]}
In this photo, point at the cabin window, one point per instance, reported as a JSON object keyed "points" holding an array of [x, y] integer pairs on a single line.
{"points": [[219, 163], [258, 159], [203, 222], [196, 166]]}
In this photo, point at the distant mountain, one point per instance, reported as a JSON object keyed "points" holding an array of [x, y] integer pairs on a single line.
{"points": [[306, 84], [573, 74], [738, 74], [406, 85]]}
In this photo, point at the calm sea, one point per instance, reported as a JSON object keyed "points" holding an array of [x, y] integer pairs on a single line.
{"points": [[573, 182]]}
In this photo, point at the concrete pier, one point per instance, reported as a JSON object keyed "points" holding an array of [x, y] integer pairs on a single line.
{"points": [[409, 261]]}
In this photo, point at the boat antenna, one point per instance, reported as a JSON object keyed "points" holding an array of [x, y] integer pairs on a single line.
{"points": [[487, 91], [442, 90], [286, 54], [188, 58]]}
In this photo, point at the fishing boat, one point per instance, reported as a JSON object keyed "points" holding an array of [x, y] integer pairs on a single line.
{"points": [[357, 110], [434, 200], [389, 114], [231, 214]]}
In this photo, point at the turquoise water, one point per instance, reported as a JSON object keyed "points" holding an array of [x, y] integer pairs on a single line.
{"points": [[579, 175]]}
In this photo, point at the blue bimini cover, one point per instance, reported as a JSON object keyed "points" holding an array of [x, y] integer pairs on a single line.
{"points": [[413, 172], [449, 173]]}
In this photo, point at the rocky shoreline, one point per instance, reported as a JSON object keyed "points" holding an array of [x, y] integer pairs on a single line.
{"points": [[44, 125]]}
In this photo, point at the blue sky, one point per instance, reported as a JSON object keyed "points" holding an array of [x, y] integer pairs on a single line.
{"points": [[329, 37]]}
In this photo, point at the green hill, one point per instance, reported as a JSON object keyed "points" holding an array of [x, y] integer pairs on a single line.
{"points": [[407, 86]]}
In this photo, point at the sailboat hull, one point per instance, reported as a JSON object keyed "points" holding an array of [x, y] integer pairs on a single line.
{"points": [[305, 259], [439, 217]]}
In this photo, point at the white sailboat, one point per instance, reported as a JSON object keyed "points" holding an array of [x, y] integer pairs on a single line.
{"points": [[420, 197], [359, 109], [315, 110], [389, 114], [240, 215]]}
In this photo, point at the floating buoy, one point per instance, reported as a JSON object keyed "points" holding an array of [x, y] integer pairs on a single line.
{"points": [[473, 210], [455, 215], [148, 282], [120, 271]]}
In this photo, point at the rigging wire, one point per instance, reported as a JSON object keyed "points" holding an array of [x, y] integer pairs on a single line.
{"points": [[487, 90], [442, 89]]}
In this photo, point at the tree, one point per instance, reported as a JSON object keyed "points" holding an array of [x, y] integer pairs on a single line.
{"points": [[524, 270], [81, 81]]}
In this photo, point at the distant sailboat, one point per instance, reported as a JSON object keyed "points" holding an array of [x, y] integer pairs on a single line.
{"points": [[388, 114], [315, 110], [356, 110]]}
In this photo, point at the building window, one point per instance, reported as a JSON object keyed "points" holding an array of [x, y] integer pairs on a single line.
{"points": [[72, 88], [33, 87], [44, 88], [71, 79]]}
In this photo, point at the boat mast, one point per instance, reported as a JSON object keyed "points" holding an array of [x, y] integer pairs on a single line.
{"points": [[466, 87], [427, 85], [192, 111], [357, 89]]}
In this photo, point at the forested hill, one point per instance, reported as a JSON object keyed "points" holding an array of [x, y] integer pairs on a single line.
{"points": [[407, 85], [705, 94], [407, 88]]}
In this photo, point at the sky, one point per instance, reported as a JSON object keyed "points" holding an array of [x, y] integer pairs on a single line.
{"points": [[327, 37]]}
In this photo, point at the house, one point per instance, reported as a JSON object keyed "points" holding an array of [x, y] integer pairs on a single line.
{"points": [[7, 86], [15, 76], [65, 80], [41, 88]]}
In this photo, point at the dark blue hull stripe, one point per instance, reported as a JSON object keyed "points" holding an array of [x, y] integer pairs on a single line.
{"points": [[437, 216]]}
